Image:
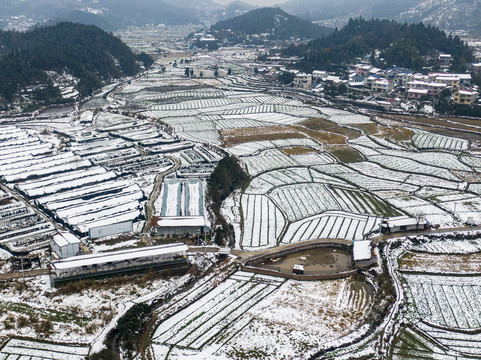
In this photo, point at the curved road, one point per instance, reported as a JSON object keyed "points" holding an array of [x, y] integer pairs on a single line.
{"points": [[155, 192]]}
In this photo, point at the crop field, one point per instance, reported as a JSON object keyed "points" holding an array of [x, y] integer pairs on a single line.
{"points": [[258, 317], [462, 343], [256, 146], [451, 246], [331, 225], [265, 233], [217, 316], [19, 349], [235, 136], [411, 344], [305, 204], [342, 117], [424, 140], [422, 261], [321, 124], [267, 160], [450, 301]]}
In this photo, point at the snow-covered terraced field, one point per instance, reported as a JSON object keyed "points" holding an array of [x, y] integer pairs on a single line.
{"points": [[408, 165], [425, 140], [450, 301], [342, 117], [237, 122], [263, 222], [304, 200], [267, 181], [434, 158], [257, 146], [217, 314], [331, 225], [472, 161], [469, 344], [375, 143], [376, 171], [261, 314], [267, 160], [363, 181], [413, 344], [197, 104], [20, 349], [285, 109]]}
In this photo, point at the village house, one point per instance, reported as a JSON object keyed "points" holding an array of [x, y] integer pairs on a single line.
{"points": [[416, 84], [416, 93], [363, 69], [382, 85], [444, 60], [303, 81], [436, 88], [319, 75], [451, 81], [476, 68], [466, 97]]}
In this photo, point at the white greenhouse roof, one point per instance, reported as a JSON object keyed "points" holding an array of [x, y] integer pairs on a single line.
{"points": [[402, 221], [181, 221], [116, 256]]}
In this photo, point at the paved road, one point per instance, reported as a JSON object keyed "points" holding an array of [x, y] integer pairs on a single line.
{"points": [[155, 192], [19, 275], [379, 238]]}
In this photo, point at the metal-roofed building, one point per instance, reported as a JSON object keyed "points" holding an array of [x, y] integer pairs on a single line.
{"points": [[65, 244], [99, 264]]}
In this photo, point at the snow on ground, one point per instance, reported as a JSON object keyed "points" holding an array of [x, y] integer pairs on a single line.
{"points": [[263, 316], [77, 317]]}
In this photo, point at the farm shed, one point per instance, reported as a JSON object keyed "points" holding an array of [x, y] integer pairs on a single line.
{"points": [[402, 223], [65, 244], [181, 225], [111, 229], [100, 264], [362, 253], [298, 269]]}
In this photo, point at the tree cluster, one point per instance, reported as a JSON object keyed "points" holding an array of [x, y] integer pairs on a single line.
{"points": [[404, 45], [86, 52], [227, 176]]}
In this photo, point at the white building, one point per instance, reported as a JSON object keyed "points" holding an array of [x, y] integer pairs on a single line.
{"points": [[382, 85], [65, 244], [417, 93], [362, 253], [303, 81]]}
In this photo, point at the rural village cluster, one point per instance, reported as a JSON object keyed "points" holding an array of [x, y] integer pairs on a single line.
{"points": [[355, 235]]}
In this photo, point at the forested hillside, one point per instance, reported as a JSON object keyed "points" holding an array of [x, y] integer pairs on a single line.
{"points": [[399, 44], [275, 22], [86, 52]]}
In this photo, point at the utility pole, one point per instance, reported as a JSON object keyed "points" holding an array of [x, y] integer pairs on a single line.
{"points": [[21, 264]]}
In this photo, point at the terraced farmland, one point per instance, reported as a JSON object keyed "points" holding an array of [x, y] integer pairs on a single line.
{"points": [[449, 301]]}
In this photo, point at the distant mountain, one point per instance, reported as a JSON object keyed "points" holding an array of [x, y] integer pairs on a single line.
{"points": [[108, 14], [399, 44], [272, 23], [327, 9], [450, 15], [85, 52], [235, 8]]}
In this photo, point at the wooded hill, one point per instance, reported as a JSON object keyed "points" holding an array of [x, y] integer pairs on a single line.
{"points": [[84, 51], [404, 45], [276, 23]]}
